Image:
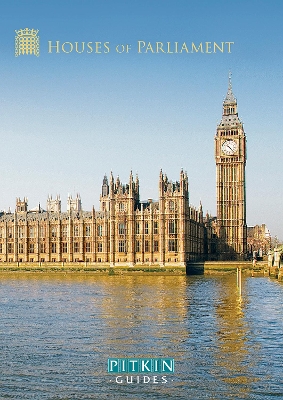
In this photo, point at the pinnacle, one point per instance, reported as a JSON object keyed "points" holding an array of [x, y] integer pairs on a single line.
{"points": [[230, 98]]}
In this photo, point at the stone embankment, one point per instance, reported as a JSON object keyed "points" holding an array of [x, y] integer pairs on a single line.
{"points": [[97, 268], [261, 268]]}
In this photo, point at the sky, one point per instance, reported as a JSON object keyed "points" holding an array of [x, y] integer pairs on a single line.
{"points": [[67, 118]]}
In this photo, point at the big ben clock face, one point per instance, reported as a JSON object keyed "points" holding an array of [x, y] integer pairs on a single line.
{"points": [[229, 147]]}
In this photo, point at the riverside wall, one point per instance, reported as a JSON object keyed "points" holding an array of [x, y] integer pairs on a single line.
{"points": [[194, 268]]}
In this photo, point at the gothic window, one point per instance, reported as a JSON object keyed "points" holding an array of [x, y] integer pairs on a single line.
{"points": [[53, 232], [146, 228], [155, 228], [10, 248], [65, 230], [172, 245], [235, 174], [21, 248], [99, 230], [31, 248], [121, 246], [1, 232], [99, 247], [76, 230], [121, 228], [76, 247], [156, 245], [138, 246], [171, 205], [87, 230], [10, 232], [146, 246], [137, 228], [1, 248], [88, 247], [21, 231], [121, 207], [42, 231], [53, 247], [172, 227], [31, 231], [64, 247], [42, 247]]}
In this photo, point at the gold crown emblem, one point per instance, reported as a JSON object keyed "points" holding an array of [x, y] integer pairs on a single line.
{"points": [[27, 42], [27, 32]]}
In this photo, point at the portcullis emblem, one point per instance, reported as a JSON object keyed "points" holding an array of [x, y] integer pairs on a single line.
{"points": [[27, 42]]}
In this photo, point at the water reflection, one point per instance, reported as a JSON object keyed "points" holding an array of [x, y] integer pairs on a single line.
{"points": [[233, 358], [57, 331], [138, 311]]}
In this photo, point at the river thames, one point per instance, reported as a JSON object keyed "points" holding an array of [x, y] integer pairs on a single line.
{"points": [[58, 330]]}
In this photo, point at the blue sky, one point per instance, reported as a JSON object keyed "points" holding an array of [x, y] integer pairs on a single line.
{"points": [[66, 119]]}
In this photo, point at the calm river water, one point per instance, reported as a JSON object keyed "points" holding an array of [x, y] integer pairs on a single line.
{"points": [[57, 332]]}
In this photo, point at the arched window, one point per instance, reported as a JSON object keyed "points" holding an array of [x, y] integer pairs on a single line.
{"points": [[172, 227], [121, 228]]}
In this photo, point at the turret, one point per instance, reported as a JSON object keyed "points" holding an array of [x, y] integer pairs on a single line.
{"points": [[105, 187], [111, 185], [230, 102], [74, 204], [21, 206], [131, 184], [200, 213], [230, 119], [53, 205]]}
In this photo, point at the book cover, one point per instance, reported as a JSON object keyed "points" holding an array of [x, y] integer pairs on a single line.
{"points": [[112, 113]]}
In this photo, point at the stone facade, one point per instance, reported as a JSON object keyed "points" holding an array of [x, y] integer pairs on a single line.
{"points": [[125, 231], [259, 240], [230, 156]]}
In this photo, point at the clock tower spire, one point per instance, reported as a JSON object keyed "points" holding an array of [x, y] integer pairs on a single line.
{"points": [[230, 157]]}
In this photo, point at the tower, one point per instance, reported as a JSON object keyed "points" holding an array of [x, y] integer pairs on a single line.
{"points": [[53, 205], [230, 157], [104, 197], [21, 206], [74, 204]]}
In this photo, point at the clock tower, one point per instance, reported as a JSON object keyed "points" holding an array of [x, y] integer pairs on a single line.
{"points": [[230, 157]]}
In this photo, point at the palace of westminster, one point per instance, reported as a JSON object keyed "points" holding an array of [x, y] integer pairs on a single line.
{"points": [[126, 231]]}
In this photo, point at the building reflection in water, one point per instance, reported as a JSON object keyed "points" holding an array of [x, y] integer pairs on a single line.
{"points": [[144, 315], [235, 357], [69, 324]]}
